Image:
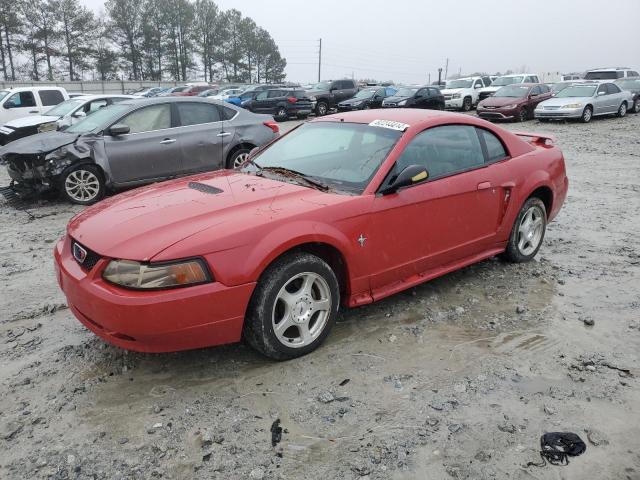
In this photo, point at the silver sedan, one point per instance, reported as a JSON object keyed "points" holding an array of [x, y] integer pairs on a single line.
{"points": [[583, 101]]}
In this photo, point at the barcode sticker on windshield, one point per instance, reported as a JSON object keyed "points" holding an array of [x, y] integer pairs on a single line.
{"points": [[389, 124]]}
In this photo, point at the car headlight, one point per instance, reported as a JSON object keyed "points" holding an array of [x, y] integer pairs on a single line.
{"points": [[313, 99], [402, 103], [509, 106], [58, 154], [571, 105], [149, 276], [47, 127], [455, 95], [357, 104]]}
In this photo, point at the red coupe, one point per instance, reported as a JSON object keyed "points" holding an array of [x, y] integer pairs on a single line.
{"points": [[341, 211]]}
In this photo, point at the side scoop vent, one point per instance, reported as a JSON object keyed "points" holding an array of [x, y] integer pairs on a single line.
{"points": [[204, 188]]}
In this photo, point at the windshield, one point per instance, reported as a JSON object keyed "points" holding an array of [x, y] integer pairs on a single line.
{"points": [[556, 87], [513, 91], [501, 81], [577, 91], [344, 156], [459, 84], [178, 89], [365, 94], [629, 84], [4, 93], [610, 75], [98, 120], [65, 107], [405, 92], [322, 86]]}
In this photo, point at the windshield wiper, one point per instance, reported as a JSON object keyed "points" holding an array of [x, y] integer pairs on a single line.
{"points": [[287, 172]]}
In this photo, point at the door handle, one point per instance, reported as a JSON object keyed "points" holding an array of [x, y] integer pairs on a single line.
{"points": [[168, 141], [224, 134], [484, 185]]}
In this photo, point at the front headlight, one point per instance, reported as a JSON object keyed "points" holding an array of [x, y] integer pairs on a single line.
{"points": [[149, 276], [402, 103], [455, 95], [47, 127], [357, 104], [508, 107], [313, 99], [572, 105]]}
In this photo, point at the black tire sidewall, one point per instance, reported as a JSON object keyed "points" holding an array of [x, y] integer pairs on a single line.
{"points": [[326, 108], [620, 114], [466, 104], [258, 328], [280, 115], [90, 168], [582, 118], [512, 252], [235, 155]]}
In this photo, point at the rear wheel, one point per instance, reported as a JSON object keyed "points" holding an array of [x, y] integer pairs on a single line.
{"points": [[527, 232], [622, 110], [293, 307], [466, 104], [237, 158], [82, 184], [636, 106], [587, 114]]}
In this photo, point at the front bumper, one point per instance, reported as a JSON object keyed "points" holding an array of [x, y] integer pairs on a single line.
{"points": [[155, 321], [559, 114], [497, 113], [453, 103]]}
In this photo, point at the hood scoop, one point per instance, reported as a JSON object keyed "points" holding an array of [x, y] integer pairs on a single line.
{"points": [[204, 188]]}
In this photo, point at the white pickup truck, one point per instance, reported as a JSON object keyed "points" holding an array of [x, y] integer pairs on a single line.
{"points": [[505, 80], [24, 101], [462, 94]]}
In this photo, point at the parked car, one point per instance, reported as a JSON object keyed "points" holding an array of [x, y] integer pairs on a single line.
{"points": [[571, 76], [583, 101], [24, 101], [189, 90], [281, 103], [226, 93], [240, 100], [559, 86], [367, 98], [506, 80], [329, 93], [613, 73], [631, 85], [463, 93], [150, 92], [513, 102], [416, 97], [170, 91], [135, 142], [209, 93], [314, 221], [59, 117]]}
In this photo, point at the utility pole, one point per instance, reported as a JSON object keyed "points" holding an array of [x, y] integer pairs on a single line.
{"points": [[440, 76], [446, 70], [319, 59]]}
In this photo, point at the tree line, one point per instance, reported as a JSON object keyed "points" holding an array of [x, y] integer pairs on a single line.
{"points": [[134, 40]]}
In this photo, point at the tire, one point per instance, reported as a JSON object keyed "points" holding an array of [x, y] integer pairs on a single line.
{"points": [[587, 114], [523, 115], [308, 315], [281, 114], [526, 237], [636, 106], [82, 184], [622, 110], [237, 158], [321, 109], [467, 104]]}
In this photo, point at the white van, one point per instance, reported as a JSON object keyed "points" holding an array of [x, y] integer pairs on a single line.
{"points": [[24, 101]]}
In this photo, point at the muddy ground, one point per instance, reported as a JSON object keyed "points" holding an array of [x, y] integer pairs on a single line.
{"points": [[457, 378]]}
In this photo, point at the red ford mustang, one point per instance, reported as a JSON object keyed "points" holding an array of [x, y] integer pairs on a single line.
{"points": [[343, 210]]}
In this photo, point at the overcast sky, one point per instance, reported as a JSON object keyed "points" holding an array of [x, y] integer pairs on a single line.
{"points": [[406, 40]]}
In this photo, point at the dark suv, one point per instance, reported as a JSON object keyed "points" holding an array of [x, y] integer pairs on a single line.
{"points": [[281, 103], [331, 92]]}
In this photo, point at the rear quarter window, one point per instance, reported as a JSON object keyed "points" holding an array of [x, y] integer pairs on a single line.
{"points": [[495, 148]]}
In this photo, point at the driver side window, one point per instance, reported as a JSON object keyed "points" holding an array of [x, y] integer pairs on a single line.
{"points": [[602, 88], [443, 151]]}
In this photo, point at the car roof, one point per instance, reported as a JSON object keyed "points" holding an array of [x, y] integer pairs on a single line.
{"points": [[608, 69], [157, 100], [409, 116], [28, 89], [87, 96]]}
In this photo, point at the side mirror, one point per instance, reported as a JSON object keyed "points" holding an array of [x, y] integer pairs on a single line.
{"points": [[409, 176], [476, 86], [602, 93], [79, 114], [119, 129]]}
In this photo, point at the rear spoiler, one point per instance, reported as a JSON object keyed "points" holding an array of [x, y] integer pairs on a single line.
{"points": [[539, 139]]}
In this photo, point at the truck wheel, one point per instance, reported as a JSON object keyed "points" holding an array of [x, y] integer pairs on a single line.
{"points": [[321, 109], [466, 104], [82, 184], [587, 113], [527, 232], [293, 307]]}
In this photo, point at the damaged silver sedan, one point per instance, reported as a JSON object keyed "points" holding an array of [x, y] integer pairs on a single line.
{"points": [[133, 143]]}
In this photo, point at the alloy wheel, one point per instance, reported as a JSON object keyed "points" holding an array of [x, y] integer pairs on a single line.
{"points": [[530, 230], [240, 159], [301, 310], [622, 111], [82, 185]]}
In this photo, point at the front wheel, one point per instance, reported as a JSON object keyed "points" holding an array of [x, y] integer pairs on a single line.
{"points": [[293, 307], [622, 110], [321, 109], [587, 113], [82, 184], [636, 106], [527, 232], [522, 115], [466, 104], [281, 114]]}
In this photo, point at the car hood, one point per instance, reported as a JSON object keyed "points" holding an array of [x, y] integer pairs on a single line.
{"points": [[501, 101], [141, 223], [395, 99], [489, 89], [39, 143], [560, 102], [351, 101], [448, 91], [31, 121]]}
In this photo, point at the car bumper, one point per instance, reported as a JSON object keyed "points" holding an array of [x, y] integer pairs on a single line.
{"points": [[348, 108], [559, 114], [454, 103], [155, 321], [496, 114]]}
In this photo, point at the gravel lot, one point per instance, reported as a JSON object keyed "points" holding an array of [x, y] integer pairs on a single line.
{"points": [[457, 378]]}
